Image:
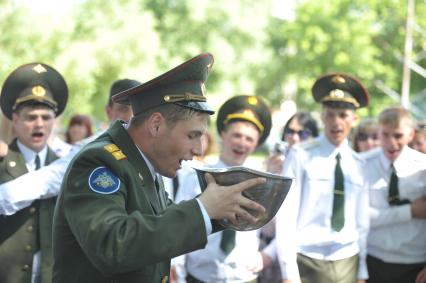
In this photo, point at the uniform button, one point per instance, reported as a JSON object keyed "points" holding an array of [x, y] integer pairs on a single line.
{"points": [[30, 228], [32, 209], [26, 267], [28, 248]]}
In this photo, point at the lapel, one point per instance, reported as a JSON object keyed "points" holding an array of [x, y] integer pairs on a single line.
{"points": [[122, 139], [15, 163], [51, 156]]}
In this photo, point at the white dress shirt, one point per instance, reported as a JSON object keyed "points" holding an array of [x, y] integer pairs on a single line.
{"points": [[395, 236], [211, 264], [44, 183], [304, 220]]}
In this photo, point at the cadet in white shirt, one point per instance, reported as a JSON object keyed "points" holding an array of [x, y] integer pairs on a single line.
{"points": [[322, 227], [397, 182], [243, 122]]}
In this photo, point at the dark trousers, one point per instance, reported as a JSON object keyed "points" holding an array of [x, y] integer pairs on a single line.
{"points": [[192, 279], [380, 271], [322, 271]]}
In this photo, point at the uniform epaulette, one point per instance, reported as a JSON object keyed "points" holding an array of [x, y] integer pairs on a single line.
{"points": [[370, 153], [309, 144], [115, 151]]}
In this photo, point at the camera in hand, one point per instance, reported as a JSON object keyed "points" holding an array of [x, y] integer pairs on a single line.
{"points": [[281, 147]]}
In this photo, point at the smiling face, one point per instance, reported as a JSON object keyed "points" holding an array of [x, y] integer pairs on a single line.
{"points": [[338, 123], [394, 138], [175, 143], [239, 140], [33, 126]]}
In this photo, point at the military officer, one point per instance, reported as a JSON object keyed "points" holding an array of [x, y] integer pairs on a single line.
{"points": [[31, 97], [113, 221], [46, 182], [322, 229], [243, 123]]}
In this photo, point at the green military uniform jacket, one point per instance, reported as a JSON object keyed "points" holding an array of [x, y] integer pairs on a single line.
{"points": [[114, 227], [26, 231]]}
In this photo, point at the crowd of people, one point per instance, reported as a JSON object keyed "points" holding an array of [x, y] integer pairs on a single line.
{"points": [[125, 204]]}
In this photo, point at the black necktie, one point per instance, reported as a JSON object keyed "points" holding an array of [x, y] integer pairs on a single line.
{"points": [[227, 243], [175, 187], [338, 217], [393, 197], [159, 192], [37, 162]]}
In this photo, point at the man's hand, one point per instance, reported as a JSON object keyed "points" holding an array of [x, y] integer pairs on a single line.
{"points": [[274, 163], [227, 202], [3, 148], [421, 277], [418, 208]]}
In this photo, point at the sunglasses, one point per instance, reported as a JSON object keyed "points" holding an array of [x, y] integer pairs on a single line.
{"points": [[303, 134], [364, 136]]}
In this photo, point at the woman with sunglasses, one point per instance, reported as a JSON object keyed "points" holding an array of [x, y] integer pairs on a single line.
{"points": [[300, 127], [366, 135]]}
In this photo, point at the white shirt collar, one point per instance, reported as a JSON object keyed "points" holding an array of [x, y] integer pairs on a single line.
{"points": [[30, 155]]}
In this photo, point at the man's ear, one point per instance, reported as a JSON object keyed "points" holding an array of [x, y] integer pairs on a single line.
{"points": [[155, 122]]}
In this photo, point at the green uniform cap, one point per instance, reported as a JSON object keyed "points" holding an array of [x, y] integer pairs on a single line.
{"points": [[340, 90], [183, 85], [34, 83], [248, 108]]}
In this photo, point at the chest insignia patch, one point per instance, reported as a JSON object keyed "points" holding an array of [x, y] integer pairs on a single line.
{"points": [[103, 181]]}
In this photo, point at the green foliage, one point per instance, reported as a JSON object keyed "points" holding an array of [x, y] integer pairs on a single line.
{"points": [[95, 42]]}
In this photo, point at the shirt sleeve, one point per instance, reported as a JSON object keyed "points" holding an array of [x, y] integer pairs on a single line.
{"points": [[390, 215], [41, 184], [287, 220], [206, 218], [363, 224]]}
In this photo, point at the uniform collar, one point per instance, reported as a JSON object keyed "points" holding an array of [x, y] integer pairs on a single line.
{"points": [[29, 155], [149, 164], [401, 161], [343, 148]]}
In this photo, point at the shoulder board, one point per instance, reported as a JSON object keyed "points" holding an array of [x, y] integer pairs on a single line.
{"points": [[309, 144], [370, 153], [115, 151]]}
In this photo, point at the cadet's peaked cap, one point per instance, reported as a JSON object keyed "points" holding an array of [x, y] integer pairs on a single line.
{"points": [[340, 90], [122, 85], [248, 108], [34, 83], [183, 85]]}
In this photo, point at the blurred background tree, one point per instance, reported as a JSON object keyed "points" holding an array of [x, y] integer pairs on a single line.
{"points": [[273, 48]]}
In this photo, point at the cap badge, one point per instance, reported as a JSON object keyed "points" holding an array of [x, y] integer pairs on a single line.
{"points": [[38, 90], [338, 79], [252, 100], [249, 113], [39, 69], [337, 93]]}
